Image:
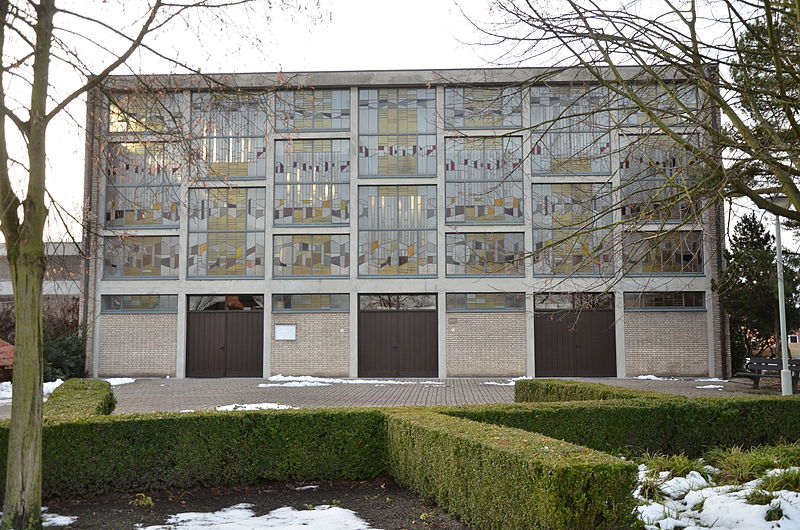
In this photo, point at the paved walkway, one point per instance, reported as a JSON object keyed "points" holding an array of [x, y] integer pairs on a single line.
{"points": [[148, 395]]}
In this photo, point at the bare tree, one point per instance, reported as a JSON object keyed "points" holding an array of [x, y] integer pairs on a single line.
{"points": [[740, 57], [36, 40]]}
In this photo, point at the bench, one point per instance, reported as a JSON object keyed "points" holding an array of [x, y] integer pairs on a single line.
{"points": [[758, 367]]}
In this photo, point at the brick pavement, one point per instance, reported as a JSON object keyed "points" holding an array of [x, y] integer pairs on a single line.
{"points": [[147, 395]]}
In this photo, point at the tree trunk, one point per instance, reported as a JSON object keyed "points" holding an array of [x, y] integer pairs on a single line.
{"points": [[23, 488]]}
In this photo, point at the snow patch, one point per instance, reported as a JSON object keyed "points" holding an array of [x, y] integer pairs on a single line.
{"points": [[694, 502], [255, 406], [47, 388], [294, 380], [305, 488], [651, 377], [509, 382], [293, 384], [241, 517], [710, 387], [116, 381], [53, 519], [711, 380]]}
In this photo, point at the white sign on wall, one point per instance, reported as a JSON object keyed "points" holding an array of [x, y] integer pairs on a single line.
{"points": [[285, 332]]}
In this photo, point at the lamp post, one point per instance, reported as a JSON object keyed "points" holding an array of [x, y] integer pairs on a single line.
{"points": [[786, 376]]}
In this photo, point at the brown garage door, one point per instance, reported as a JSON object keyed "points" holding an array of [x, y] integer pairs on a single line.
{"points": [[397, 336], [225, 336], [575, 343]]}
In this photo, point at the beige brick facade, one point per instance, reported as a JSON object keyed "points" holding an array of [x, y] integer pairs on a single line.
{"points": [[673, 343], [137, 345], [486, 344], [322, 346]]}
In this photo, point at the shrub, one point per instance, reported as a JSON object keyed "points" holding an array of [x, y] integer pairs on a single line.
{"points": [[64, 355], [124, 453], [496, 477], [635, 426], [543, 390], [79, 398]]}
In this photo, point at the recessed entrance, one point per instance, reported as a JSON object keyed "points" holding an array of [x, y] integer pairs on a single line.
{"points": [[397, 336], [574, 335], [225, 336]]}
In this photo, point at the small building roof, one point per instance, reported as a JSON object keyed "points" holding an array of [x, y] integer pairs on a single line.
{"points": [[6, 354]]}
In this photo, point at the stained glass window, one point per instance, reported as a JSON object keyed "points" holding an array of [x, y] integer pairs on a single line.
{"points": [[307, 303], [226, 231], [311, 255], [146, 111], [140, 303], [672, 104], [141, 256], [483, 107], [663, 252], [654, 172], [483, 180], [666, 300], [229, 131], [313, 110], [397, 132], [397, 230], [572, 229], [483, 253], [312, 182], [570, 130], [142, 184], [228, 302], [486, 301]]}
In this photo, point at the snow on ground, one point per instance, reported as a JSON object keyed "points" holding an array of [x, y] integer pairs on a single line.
{"points": [[711, 380], [6, 391], [308, 380], [509, 382], [710, 387], [309, 487], [255, 406], [694, 502], [651, 377], [52, 519], [240, 516], [116, 381]]}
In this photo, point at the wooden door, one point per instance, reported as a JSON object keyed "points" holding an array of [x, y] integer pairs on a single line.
{"points": [[225, 344], [397, 343], [575, 344], [245, 344], [205, 344]]}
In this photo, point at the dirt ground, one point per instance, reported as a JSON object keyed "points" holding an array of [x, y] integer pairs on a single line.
{"points": [[380, 502]]}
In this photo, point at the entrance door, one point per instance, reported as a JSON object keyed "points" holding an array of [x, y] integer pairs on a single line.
{"points": [[225, 336], [397, 336], [575, 342]]}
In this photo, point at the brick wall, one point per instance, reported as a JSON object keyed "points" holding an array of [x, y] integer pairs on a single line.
{"points": [[666, 343], [486, 344], [322, 346], [137, 345]]}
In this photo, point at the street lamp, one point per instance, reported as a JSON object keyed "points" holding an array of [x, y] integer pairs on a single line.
{"points": [[786, 376]]}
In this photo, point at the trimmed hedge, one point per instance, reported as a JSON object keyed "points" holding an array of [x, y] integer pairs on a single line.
{"points": [[544, 390], [671, 426], [79, 398], [496, 477], [125, 453]]}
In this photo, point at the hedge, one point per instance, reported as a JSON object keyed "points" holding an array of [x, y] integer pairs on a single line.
{"points": [[79, 398], [543, 390], [671, 425], [126, 453], [497, 477]]}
